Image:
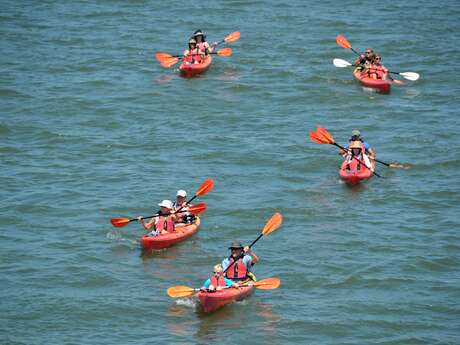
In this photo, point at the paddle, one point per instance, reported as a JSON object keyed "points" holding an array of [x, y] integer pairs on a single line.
{"points": [[322, 136], [328, 137], [273, 223], [168, 61], [407, 75], [205, 188], [342, 41], [184, 291], [234, 36], [121, 222]]}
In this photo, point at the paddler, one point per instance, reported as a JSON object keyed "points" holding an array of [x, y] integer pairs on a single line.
{"points": [[377, 70], [356, 136], [181, 207], [356, 149], [245, 259], [192, 54], [164, 222], [201, 43], [218, 281], [366, 59]]}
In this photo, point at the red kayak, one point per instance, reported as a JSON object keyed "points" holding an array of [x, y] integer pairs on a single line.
{"points": [[189, 68], [183, 231], [380, 85], [211, 301], [354, 172]]}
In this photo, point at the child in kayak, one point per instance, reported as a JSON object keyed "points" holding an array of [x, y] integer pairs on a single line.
{"points": [[193, 55], [201, 43], [245, 259], [357, 150], [163, 223], [356, 136], [377, 70], [217, 281]]}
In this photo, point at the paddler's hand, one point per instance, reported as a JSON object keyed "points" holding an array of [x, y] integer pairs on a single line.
{"points": [[246, 249], [140, 219]]}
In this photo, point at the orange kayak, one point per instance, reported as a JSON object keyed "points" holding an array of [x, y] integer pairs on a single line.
{"points": [[380, 85], [183, 231], [211, 301], [189, 69], [354, 172]]}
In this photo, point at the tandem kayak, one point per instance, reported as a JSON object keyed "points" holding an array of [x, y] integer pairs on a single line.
{"points": [[354, 172], [380, 85], [182, 232], [211, 301], [189, 69]]}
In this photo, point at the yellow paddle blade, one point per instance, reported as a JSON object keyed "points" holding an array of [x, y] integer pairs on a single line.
{"points": [[234, 36], [273, 224], [268, 284], [180, 291], [205, 188], [119, 222], [225, 52]]}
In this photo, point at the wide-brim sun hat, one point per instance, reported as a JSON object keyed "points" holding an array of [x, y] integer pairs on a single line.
{"points": [[236, 245], [166, 203]]}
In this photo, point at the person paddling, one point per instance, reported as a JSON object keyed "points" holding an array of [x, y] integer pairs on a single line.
{"points": [[245, 258], [201, 43], [377, 70], [356, 149], [218, 281], [163, 223], [356, 136], [181, 207], [365, 59], [192, 54]]}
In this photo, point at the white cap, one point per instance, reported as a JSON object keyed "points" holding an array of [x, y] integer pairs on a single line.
{"points": [[166, 203], [181, 193]]}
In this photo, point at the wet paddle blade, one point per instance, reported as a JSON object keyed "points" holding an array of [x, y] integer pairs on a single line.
{"points": [[316, 139], [119, 222], [341, 63], [273, 224], [234, 36], [160, 56], [205, 188], [225, 52], [342, 41], [268, 284], [410, 75], [180, 291], [168, 63], [198, 209], [324, 134]]}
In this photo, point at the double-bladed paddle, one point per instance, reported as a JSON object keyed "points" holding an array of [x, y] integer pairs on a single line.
{"points": [[184, 291], [343, 42], [205, 188]]}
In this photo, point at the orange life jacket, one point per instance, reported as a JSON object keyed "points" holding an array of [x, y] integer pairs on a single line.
{"points": [[238, 271], [218, 281], [164, 223]]}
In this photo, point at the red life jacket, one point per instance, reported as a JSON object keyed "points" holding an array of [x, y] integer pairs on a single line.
{"points": [[164, 223], [238, 271], [218, 281]]}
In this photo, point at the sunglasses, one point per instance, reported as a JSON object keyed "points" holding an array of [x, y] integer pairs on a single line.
{"points": [[368, 52]]}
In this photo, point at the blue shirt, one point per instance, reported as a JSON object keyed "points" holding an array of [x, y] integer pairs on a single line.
{"points": [[206, 284], [247, 261]]}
